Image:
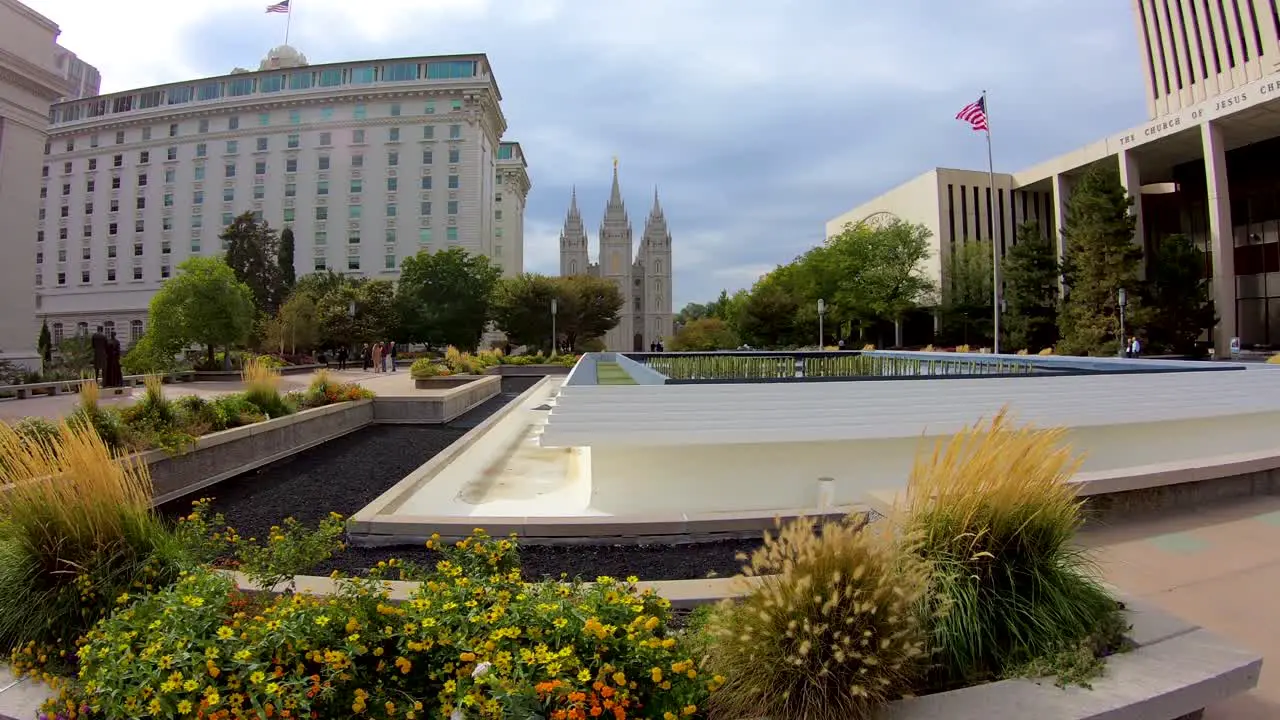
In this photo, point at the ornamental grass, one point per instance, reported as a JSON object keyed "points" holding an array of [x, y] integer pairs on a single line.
{"points": [[833, 630], [995, 514], [262, 388], [76, 534]]}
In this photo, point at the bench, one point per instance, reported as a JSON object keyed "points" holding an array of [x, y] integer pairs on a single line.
{"points": [[57, 387]]}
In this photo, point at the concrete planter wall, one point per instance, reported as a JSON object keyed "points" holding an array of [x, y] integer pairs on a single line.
{"points": [[235, 375], [225, 454], [439, 407], [527, 370], [444, 382]]}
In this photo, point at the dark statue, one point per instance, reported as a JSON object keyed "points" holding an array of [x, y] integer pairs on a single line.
{"points": [[111, 374], [99, 343]]}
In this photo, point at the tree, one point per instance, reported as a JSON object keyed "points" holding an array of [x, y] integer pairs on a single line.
{"points": [[1101, 258], [319, 284], [252, 254], [966, 311], [768, 317], [1179, 308], [871, 272], [1030, 273], [203, 304], [356, 311], [589, 308], [295, 324], [521, 308], [694, 311], [704, 334], [45, 343], [288, 274], [443, 297]]}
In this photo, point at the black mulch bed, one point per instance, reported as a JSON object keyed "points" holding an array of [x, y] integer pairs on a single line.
{"points": [[341, 475], [648, 562]]}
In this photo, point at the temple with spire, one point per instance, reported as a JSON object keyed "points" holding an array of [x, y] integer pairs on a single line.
{"points": [[642, 274]]}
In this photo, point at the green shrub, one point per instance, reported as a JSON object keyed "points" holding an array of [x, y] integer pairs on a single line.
{"points": [[832, 630], [262, 389], [36, 430], [424, 368], [996, 516], [237, 410], [77, 537]]}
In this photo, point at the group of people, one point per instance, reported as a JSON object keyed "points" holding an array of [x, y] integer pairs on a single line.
{"points": [[106, 359], [378, 356], [1133, 347], [657, 346]]}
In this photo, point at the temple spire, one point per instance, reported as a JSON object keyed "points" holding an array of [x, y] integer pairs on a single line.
{"points": [[573, 202], [657, 206], [615, 193]]}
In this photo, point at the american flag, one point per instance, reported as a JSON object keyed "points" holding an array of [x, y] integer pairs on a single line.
{"points": [[975, 113], [280, 7]]}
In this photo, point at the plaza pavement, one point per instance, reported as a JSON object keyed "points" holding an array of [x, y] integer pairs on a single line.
{"points": [[1217, 566]]}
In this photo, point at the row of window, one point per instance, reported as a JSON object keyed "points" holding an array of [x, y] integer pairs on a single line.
{"points": [[292, 142], [86, 278], [197, 222], [265, 83], [82, 328]]}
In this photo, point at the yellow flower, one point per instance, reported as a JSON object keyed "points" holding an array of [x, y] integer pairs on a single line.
{"points": [[273, 688], [656, 673], [184, 707], [257, 677], [226, 633]]}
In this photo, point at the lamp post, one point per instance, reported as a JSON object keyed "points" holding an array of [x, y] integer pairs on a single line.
{"points": [[822, 309], [553, 326], [1123, 300]]}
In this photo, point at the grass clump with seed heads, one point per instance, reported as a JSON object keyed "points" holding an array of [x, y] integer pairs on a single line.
{"points": [[77, 535], [262, 388], [833, 629], [995, 516]]}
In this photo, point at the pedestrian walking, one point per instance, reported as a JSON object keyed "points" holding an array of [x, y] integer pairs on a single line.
{"points": [[391, 353], [342, 358], [366, 357], [377, 358]]}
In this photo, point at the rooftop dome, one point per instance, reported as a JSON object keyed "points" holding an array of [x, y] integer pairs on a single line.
{"points": [[284, 56]]}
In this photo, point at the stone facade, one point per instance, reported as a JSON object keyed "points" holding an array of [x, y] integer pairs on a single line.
{"points": [[645, 279]]}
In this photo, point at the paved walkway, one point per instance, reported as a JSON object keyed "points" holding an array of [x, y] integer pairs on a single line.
{"points": [[57, 406], [1219, 568]]}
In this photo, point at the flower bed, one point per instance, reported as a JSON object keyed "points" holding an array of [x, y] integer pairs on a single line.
{"points": [[972, 582]]}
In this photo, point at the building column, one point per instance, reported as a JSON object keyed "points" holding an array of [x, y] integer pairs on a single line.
{"points": [[1061, 196], [1131, 179], [1221, 237]]}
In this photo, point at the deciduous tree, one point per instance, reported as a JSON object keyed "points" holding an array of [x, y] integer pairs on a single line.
{"points": [[443, 297], [521, 308], [1101, 258], [203, 304], [966, 302], [295, 324], [589, 308], [704, 334], [356, 311]]}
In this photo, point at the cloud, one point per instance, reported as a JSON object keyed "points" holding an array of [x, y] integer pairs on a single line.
{"points": [[757, 120]]}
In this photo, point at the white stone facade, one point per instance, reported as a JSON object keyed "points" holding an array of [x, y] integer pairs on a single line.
{"points": [[368, 162], [28, 84], [83, 79], [647, 316]]}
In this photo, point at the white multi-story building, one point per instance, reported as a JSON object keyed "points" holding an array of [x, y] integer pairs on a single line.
{"points": [[83, 79], [28, 83], [645, 281], [368, 162], [1203, 165]]}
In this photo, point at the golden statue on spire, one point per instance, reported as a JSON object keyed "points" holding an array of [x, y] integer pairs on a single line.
{"points": [[615, 162]]}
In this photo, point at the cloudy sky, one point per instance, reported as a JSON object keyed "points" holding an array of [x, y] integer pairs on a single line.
{"points": [[758, 121]]}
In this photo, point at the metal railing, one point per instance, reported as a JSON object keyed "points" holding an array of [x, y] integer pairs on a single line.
{"points": [[752, 366]]}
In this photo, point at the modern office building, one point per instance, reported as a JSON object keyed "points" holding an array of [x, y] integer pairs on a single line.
{"points": [[644, 280], [1203, 165], [28, 83], [368, 162], [83, 79]]}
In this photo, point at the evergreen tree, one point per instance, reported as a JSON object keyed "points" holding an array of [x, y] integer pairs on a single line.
{"points": [[1101, 258], [966, 306], [45, 343], [1178, 305], [288, 275], [252, 253], [1031, 273]]}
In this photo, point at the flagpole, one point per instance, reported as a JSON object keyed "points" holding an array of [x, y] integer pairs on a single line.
{"points": [[288, 20], [998, 238]]}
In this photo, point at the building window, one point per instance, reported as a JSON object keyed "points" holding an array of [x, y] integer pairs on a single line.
{"points": [[427, 157], [233, 147], [197, 197], [393, 159], [357, 137], [111, 274], [166, 247], [320, 238], [233, 122], [425, 208], [112, 229], [229, 170], [391, 261], [357, 160], [137, 273], [359, 112], [497, 214], [453, 182], [259, 192], [135, 330], [424, 235], [322, 187], [426, 182], [455, 105], [84, 277], [391, 209], [428, 132], [393, 135], [119, 137], [262, 144], [430, 109], [144, 157], [57, 327], [295, 117], [202, 149], [357, 185], [392, 184], [455, 132], [452, 207], [264, 119], [290, 189], [227, 219], [353, 238], [62, 278], [170, 175], [291, 165], [115, 183], [395, 109], [260, 167], [173, 129], [354, 211], [293, 142], [319, 264], [93, 140], [288, 215], [117, 160], [142, 179], [353, 262], [139, 226], [203, 127], [137, 249], [326, 139], [322, 212], [455, 155], [199, 172], [228, 194], [146, 134], [451, 234]]}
